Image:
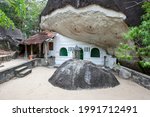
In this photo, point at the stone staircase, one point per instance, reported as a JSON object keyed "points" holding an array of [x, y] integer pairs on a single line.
{"points": [[22, 71]]}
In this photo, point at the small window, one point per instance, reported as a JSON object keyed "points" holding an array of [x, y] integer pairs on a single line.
{"points": [[50, 45], [95, 52], [63, 52]]}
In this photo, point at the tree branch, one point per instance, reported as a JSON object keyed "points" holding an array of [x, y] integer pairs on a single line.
{"points": [[135, 3]]}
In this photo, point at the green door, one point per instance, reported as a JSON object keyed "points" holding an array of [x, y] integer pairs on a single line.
{"points": [[81, 53]]}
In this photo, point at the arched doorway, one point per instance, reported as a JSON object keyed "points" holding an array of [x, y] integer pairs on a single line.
{"points": [[78, 53], [63, 52], [95, 52]]}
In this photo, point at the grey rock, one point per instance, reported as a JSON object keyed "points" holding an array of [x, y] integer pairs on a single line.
{"points": [[81, 74], [13, 37], [142, 80], [132, 9], [124, 73]]}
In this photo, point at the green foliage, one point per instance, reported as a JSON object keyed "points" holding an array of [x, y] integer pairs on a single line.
{"points": [[145, 64], [15, 10], [5, 22], [23, 13], [32, 18], [123, 52], [19, 7], [11, 13], [141, 37]]}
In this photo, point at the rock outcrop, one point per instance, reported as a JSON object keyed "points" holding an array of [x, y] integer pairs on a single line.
{"points": [[81, 74], [100, 22], [9, 39]]}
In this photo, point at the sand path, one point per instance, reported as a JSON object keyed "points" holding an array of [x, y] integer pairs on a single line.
{"points": [[36, 86]]}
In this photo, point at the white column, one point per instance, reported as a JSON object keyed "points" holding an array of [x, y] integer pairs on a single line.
{"points": [[46, 57]]}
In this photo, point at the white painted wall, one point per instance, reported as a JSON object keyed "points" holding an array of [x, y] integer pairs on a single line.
{"points": [[62, 41]]}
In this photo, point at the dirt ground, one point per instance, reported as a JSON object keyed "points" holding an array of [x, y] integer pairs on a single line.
{"points": [[36, 86]]}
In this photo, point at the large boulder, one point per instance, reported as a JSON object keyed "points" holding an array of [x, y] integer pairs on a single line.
{"points": [[81, 74], [9, 38], [99, 22], [123, 73]]}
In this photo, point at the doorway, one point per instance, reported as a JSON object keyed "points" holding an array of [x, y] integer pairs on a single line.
{"points": [[78, 53], [81, 53]]}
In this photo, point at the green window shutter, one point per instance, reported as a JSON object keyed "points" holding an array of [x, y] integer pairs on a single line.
{"points": [[63, 52], [95, 52]]}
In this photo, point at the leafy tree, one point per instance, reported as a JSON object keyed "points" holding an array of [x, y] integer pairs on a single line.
{"points": [[140, 35], [5, 21], [19, 7], [32, 18], [24, 14]]}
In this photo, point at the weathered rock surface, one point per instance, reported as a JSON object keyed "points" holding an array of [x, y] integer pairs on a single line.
{"points": [[100, 22], [9, 38], [124, 74], [79, 74], [132, 9]]}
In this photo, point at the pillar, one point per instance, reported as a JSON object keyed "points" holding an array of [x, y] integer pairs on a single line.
{"points": [[39, 50], [31, 50], [46, 57], [26, 52], [105, 57]]}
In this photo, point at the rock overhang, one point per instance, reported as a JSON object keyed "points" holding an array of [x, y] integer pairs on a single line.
{"points": [[96, 22]]}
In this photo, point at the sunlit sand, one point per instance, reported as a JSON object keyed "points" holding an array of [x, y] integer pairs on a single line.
{"points": [[36, 86]]}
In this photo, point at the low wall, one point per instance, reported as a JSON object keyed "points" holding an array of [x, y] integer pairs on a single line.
{"points": [[4, 58], [139, 78], [9, 73], [50, 61]]}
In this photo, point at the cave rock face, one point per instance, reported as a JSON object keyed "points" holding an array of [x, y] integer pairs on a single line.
{"points": [[81, 74], [11, 36], [99, 22]]}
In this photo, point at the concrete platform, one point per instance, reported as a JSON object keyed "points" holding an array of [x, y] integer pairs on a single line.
{"points": [[12, 63]]}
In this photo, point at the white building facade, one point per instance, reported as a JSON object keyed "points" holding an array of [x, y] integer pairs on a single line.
{"points": [[64, 49]]}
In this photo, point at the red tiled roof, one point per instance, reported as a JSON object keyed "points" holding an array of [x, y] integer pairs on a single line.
{"points": [[38, 38]]}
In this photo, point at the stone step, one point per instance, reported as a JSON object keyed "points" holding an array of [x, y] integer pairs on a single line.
{"points": [[20, 69], [24, 73]]}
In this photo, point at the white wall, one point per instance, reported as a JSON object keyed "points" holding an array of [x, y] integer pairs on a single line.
{"points": [[62, 41]]}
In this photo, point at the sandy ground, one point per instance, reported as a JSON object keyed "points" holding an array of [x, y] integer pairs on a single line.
{"points": [[12, 63], [36, 86]]}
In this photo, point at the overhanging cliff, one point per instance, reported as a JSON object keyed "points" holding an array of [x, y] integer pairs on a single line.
{"points": [[100, 22]]}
